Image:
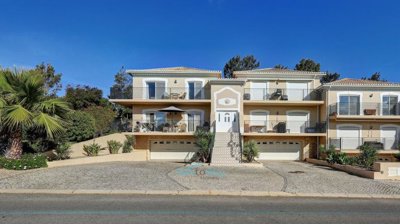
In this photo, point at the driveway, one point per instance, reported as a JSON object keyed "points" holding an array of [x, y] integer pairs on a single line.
{"points": [[293, 177], [308, 178]]}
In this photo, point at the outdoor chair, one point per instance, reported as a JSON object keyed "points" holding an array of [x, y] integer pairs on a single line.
{"points": [[182, 96]]}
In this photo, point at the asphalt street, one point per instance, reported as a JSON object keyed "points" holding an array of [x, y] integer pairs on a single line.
{"points": [[56, 209]]}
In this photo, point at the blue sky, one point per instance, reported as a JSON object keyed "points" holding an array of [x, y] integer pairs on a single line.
{"points": [[88, 41]]}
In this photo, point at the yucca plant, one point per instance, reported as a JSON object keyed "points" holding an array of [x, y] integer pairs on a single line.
{"points": [[24, 104]]}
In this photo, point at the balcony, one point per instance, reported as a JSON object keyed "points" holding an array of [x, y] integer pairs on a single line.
{"points": [[261, 127], [170, 127], [160, 94], [353, 144], [281, 94], [367, 111]]}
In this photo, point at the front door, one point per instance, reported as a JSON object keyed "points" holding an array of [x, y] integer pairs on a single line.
{"points": [[227, 121]]}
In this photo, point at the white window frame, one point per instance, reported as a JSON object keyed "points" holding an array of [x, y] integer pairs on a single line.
{"points": [[194, 110], [260, 81], [390, 126], [194, 80], [389, 94], [349, 93], [260, 111], [146, 80], [299, 111]]}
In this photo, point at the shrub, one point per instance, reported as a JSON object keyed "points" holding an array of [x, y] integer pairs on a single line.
{"points": [[129, 143], [92, 149], [397, 156], [81, 127], [322, 151], [113, 146], [250, 151], [63, 151], [351, 160], [367, 156], [26, 162], [204, 141], [332, 156]]}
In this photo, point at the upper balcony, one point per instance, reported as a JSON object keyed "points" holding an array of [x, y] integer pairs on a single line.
{"points": [[284, 128], [154, 95], [278, 96], [364, 111]]}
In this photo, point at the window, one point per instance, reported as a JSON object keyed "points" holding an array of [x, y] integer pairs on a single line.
{"points": [[227, 117], [389, 105], [194, 120], [195, 90], [349, 105], [155, 120], [156, 90]]}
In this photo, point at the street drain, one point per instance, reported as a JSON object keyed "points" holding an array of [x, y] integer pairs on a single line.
{"points": [[296, 172]]}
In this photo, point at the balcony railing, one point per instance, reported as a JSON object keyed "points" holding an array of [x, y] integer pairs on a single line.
{"points": [[346, 108], [281, 94], [180, 126], [161, 93], [260, 126], [348, 143]]}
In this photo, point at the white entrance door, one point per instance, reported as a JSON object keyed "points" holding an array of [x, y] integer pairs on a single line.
{"points": [[284, 150], [227, 121], [297, 90], [389, 137], [258, 90], [297, 122], [350, 137]]}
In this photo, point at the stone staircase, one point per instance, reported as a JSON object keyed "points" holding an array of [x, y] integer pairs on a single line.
{"points": [[226, 149]]}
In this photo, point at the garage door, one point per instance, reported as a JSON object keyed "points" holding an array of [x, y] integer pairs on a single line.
{"points": [[282, 150], [297, 90], [177, 150], [350, 137], [390, 137]]}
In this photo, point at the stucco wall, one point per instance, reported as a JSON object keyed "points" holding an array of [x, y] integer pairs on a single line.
{"points": [[77, 148]]}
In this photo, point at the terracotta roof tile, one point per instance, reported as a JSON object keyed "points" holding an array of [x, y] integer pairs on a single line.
{"points": [[360, 82], [275, 71]]}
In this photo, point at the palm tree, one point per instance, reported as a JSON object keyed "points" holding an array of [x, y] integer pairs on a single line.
{"points": [[24, 104]]}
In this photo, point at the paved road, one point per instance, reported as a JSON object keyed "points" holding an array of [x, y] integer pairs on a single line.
{"points": [[57, 209], [292, 177]]}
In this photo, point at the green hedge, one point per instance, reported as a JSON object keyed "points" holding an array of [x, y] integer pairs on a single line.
{"points": [[26, 162]]}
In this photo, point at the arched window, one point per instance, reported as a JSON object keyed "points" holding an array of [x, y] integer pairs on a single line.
{"points": [[227, 117]]}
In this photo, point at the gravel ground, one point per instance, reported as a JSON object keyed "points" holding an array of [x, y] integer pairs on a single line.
{"points": [[293, 177], [308, 178]]}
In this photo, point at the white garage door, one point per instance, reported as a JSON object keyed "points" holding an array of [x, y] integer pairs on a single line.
{"points": [[389, 137], [282, 150], [297, 90], [177, 150], [350, 137]]}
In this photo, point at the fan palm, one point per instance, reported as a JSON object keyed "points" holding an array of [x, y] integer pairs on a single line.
{"points": [[24, 104]]}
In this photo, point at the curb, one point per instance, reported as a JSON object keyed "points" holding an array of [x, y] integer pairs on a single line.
{"points": [[196, 193]]}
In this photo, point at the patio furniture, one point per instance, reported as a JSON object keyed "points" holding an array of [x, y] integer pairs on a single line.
{"points": [[281, 127], [246, 96], [370, 112], [175, 96], [375, 144], [182, 127], [182, 96], [276, 95]]}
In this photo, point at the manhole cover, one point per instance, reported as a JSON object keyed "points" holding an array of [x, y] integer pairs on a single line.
{"points": [[297, 171]]}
